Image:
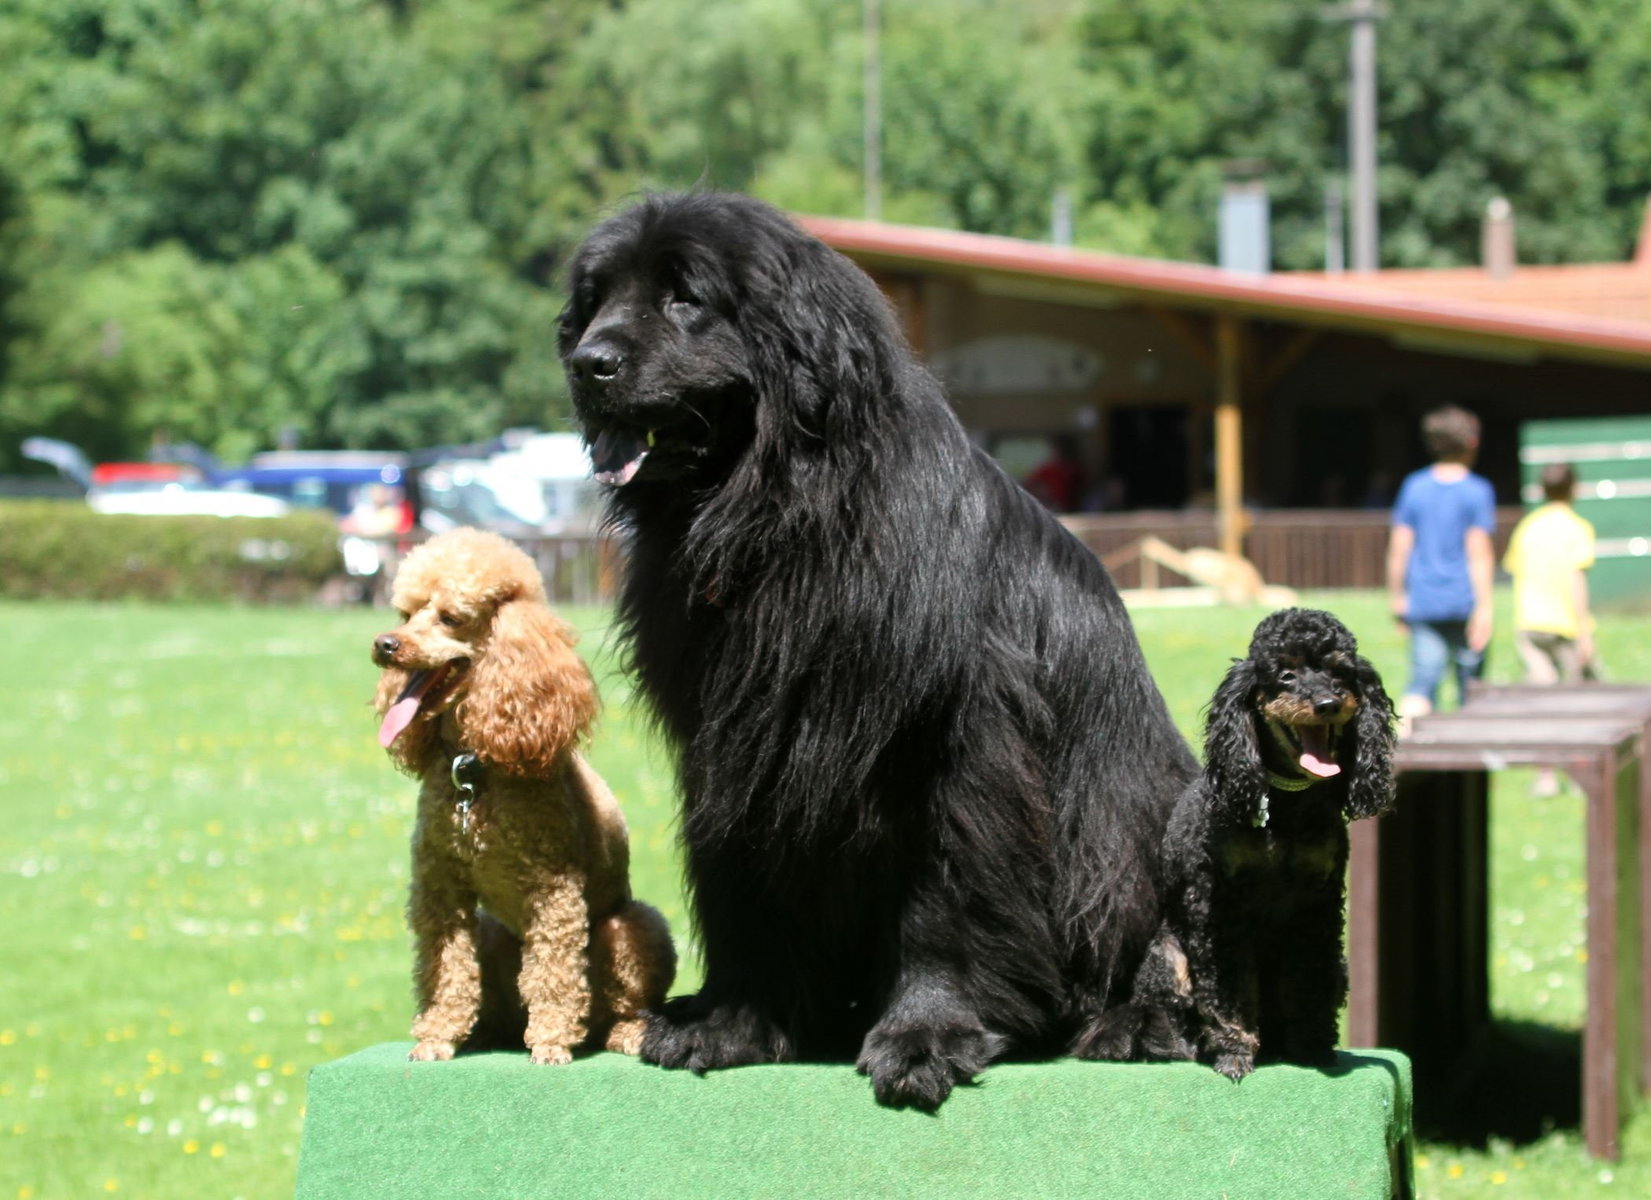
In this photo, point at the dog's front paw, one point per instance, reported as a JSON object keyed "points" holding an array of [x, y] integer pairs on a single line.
{"points": [[688, 1033], [431, 1051], [1235, 1064], [551, 1056], [917, 1067]]}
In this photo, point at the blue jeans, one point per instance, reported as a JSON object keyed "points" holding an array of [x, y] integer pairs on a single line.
{"points": [[1435, 645]]}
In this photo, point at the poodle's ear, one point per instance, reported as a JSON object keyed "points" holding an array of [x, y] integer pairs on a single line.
{"points": [[1371, 790], [531, 696], [1232, 757]]}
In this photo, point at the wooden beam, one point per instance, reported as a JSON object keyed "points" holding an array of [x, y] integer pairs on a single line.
{"points": [[1269, 375], [1229, 434], [1187, 333]]}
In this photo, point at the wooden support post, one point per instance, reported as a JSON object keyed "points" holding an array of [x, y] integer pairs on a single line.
{"points": [[1229, 434]]}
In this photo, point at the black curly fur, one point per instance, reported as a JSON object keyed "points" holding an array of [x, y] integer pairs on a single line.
{"points": [[1256, 867], [924, 771]]}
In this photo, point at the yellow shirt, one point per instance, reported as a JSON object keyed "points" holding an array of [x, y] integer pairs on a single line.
{"points": [[1549, 545]]}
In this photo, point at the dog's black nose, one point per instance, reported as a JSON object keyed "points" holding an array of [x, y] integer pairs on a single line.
{"points": [[385, 644], [1324, 705], [595, 363]]}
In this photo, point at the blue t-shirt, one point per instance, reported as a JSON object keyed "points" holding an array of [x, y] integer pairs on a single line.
{"points": [[1437, 583]]}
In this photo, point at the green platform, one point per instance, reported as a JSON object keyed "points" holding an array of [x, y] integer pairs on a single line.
{"points": [[612, 1128]]}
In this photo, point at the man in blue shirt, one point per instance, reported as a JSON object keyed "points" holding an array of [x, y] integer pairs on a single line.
{"points": [[1440, 561]]}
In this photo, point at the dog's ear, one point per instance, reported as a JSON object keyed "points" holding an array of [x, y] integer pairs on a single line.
{"points": [[823, 336], [1232, 756], [530, 695], [1371, 790]]}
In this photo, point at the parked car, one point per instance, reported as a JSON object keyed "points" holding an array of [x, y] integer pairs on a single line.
{"points": [[182, 498]]}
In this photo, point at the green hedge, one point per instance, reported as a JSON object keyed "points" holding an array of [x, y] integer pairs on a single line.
{"points": [[58, 549]]}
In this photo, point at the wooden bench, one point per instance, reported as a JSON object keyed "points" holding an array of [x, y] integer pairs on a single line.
{"points": [[1418, 942]]}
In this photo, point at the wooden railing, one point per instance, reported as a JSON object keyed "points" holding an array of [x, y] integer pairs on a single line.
{"points": [[1298, 548]]}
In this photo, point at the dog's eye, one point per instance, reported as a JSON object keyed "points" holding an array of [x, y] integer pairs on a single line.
{"points": [[449, 619], [682, 305], [1286, 676]]}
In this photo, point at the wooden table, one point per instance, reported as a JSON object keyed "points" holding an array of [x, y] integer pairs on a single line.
{"points": [[1595, 700], [1418, 942]]}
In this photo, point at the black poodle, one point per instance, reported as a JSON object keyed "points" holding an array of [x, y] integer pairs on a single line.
{"points": [[1299, 741]]}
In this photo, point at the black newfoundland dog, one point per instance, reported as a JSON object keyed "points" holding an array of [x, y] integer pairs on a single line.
{"points": [[924, 771]]}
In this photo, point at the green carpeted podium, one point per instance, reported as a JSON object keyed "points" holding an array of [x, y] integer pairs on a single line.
{"points": [[610, 1127]]}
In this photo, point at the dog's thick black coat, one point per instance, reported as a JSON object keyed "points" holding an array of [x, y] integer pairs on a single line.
{"points": [[924, 771], [1257, 848]]}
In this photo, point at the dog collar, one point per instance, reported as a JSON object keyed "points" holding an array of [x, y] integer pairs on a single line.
{"points": [[1283, 784]]}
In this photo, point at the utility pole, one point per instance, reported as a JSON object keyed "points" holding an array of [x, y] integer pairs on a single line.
{"points": [[1362, 15], [873, 109]]}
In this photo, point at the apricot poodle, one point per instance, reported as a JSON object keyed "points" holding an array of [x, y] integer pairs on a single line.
{"points": [[521, 907]]}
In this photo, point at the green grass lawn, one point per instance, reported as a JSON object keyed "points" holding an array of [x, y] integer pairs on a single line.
{"points": [[203, 864]]}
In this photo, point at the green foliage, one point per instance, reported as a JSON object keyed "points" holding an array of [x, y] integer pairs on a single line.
{"points": [[64, 550], [1476, 98], [252, 215], [227, 219]]}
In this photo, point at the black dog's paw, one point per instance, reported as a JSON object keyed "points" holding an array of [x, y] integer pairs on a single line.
{"points": [[688, 1033], [1235, 1064], [918, 1067]]}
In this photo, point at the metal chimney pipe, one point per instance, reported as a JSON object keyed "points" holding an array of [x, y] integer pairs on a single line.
{"points": [[1497, 249]]}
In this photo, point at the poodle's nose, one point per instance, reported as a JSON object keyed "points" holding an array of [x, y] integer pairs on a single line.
{"points": [[385, 645], [595, 363], [1326, 704]]}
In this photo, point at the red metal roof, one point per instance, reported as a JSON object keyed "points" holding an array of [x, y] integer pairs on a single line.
{"points": [[1593, 313]]}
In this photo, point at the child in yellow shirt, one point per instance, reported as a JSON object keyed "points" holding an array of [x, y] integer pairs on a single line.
{"points": [[1548, 556]]}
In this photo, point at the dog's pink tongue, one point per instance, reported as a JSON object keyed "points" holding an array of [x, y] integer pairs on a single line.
{"points": [[617, 456], [401, 713], [1315, 751]]}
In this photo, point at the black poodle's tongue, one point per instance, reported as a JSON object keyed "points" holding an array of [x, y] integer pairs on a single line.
{"points": [[1315, 751], [617, 455], [401, 713]]}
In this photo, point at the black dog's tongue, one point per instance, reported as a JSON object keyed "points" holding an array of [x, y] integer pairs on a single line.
{"points": [[617, 456], [1315, 751]]}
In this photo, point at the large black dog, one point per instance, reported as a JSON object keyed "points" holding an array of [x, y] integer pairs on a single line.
{"points": [[924, 771]]}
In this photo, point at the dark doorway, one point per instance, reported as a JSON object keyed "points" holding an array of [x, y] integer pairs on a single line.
{"points": [[1333, 459], [1149, 454]]}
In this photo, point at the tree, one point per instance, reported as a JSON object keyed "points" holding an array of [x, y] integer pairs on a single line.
{"points": [[312, 161]]}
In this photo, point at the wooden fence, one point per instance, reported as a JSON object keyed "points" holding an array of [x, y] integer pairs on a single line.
{"points": [[1298, 548]]}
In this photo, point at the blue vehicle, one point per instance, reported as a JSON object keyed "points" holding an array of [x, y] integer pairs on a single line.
{"points": [[339, 480]]}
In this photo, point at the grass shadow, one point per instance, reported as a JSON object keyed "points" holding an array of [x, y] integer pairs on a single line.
{"points": [[1517, 1083]]}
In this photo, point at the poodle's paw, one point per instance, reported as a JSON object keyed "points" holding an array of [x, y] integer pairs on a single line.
{"points": [[1235, 1064], [688, 1033], [551, 1055], [917, 1067], [431, 1051], [626, 1036]]}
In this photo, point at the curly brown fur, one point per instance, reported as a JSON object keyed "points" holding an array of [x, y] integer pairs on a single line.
{"points": [[522, 917], [1298, 742], [924, 771]]}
